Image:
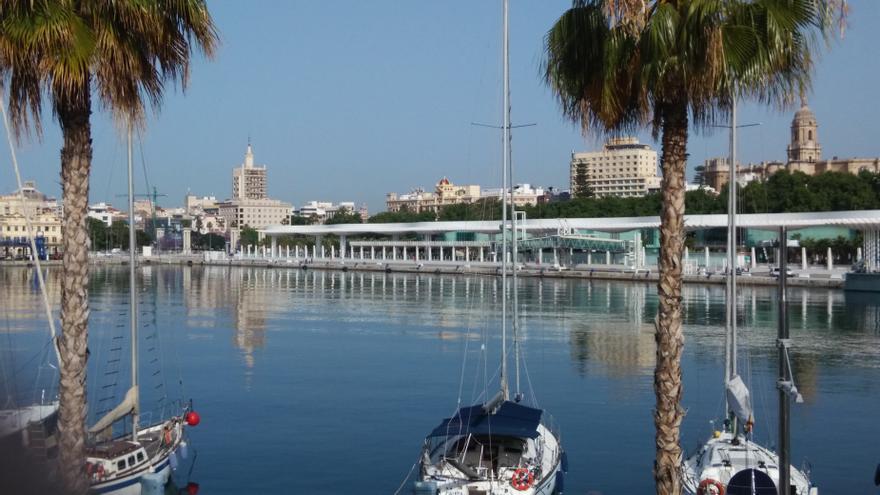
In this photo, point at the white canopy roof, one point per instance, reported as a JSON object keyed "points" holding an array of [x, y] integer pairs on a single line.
{"points": [[859, 220]]}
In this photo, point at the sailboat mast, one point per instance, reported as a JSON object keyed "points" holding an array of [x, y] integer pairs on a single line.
{"points": [[504, 196], [730, 289], [784, 376], [132, 285], [508, 126], [731, 254]]}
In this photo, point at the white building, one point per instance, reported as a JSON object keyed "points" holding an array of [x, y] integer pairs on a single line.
{"points": [[523, 194], [195, 205], [321, 211], [624, 168], [102, 212]]}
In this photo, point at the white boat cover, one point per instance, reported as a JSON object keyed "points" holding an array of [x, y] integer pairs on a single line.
{"points": [[126, 407], [16, 420], [739, 401]]}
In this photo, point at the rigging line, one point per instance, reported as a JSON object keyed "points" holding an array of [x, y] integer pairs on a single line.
{"points": [[402, 483], [529, 382], [10, 391], [30, 230]]}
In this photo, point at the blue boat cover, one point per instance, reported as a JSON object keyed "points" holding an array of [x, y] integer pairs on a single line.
{"points": [[511, 419]]}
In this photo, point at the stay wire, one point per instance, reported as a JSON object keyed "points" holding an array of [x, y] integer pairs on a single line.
{"points": [[30, 229]]}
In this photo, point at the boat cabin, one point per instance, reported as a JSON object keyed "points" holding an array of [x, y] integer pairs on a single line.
{"points": [[478, 455], [115, 459]]}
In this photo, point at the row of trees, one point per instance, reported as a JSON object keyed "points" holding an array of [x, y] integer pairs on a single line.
{"points": [[783, 192], [104, 238]]}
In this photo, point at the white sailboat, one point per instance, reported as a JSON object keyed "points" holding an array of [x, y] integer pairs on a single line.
{"points": [[730, 462], [145, 457], [502, 445]]}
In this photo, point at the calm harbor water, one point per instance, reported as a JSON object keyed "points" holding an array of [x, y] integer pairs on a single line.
{"points": [[327, 382]]}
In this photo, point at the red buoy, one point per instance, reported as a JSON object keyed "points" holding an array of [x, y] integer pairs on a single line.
{"points": [[192, 418], [192, 488]]}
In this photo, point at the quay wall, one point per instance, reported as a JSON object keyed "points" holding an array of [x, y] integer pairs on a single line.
{"points": [[602, 272]]}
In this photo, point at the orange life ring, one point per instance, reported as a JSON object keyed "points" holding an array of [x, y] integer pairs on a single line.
{"points": [[522, 479], [710, 487]]}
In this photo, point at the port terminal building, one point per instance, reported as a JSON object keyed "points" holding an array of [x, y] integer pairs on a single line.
{"points": [[561, 243]]}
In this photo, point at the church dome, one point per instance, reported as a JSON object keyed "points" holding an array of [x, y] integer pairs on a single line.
{"points": [[804, 114]]}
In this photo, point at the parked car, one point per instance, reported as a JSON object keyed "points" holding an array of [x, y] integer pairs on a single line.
{"points": [[774, 272]]}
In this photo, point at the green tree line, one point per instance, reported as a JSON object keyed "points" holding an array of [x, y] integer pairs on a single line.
{"points": [[104, 238], [783, 192]]}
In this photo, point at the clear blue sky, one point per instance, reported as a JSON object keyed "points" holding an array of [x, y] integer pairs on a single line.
{"points": [[350, 100]]}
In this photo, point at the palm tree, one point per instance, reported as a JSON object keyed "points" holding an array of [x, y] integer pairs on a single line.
{"points": [[618, 65], [63, 50]]}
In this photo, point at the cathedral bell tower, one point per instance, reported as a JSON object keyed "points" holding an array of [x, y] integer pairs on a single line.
{"points": [[804, 150]]}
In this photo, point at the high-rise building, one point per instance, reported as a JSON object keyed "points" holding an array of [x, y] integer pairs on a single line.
{"points": [[249, 180], [623, 167], [250, 205]]}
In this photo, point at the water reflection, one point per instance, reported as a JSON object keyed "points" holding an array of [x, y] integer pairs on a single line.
{"points": [[255, 341], [609, 323]]}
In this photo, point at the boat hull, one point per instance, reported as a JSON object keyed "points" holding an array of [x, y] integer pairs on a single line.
{"points": [[722, 457], [160, 465], [547, 486], [439, 478], [131, 485]]}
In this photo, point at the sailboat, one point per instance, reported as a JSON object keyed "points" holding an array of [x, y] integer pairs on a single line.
{"points": [[501, 445], [144, 457], [731, 462]]}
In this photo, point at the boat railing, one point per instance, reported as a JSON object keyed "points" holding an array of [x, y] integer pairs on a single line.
{"points": [[146, 418], [551, 424]]}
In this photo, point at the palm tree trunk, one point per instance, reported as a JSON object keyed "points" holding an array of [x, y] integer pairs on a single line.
{"points": [[76, 159], [668, 413]]}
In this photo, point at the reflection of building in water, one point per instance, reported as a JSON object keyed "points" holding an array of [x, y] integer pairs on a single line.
{"points": [[242, 291], [250, 317], [622, 343], [622, 347], [20, 293]]}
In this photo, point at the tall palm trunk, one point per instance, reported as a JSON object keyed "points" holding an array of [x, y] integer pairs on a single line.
{"points": [[668, 413], [76, 159]]}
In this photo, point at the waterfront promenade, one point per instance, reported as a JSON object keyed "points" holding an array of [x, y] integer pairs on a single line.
{"points": [[809, 276]]}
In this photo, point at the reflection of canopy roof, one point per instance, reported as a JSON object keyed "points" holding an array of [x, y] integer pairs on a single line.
{"points": [[511, 419]]}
